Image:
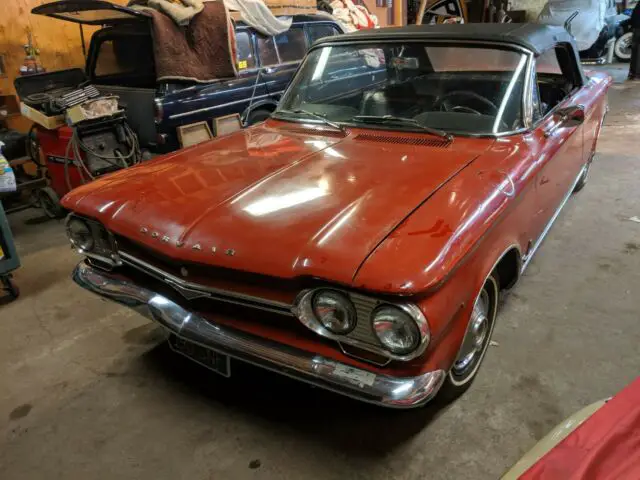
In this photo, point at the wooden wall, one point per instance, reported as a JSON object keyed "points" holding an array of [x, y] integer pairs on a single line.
{"points": [[58, 41]]}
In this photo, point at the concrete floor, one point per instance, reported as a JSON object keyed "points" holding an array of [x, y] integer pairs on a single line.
{"points": [[87, 391]]}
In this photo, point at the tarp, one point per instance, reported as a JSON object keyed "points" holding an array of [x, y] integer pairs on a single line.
{"points": [[586, 26], [605, 447]]}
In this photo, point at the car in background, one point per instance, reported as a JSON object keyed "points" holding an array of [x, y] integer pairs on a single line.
{"points": [[120, 61], [593, 23], [623, 39]]}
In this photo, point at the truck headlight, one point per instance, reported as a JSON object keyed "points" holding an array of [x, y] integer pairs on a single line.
{"points": [[334, 311], [397, 331]]}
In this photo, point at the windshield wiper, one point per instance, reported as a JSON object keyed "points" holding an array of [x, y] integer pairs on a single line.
{"points": [[318, 116], [408, 121]]}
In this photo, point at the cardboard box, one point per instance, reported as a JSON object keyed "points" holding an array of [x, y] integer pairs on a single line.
{"points": [[50, 123]]}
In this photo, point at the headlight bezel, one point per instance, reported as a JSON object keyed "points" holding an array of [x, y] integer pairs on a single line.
{"points": [[104, 248], [302, 309]]}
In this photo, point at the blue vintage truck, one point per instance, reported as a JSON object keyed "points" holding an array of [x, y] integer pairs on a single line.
{"points": [[155, 109]]}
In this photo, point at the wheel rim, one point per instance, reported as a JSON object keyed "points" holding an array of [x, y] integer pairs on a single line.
{"points": [[623, 46], [475, 338]]}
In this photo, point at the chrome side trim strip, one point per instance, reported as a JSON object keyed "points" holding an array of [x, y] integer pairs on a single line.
{"points": [[364, 385], [530, 254], [193, 290], [215, 107]]}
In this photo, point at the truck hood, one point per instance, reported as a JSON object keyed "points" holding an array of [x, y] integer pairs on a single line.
{"points": [[276, 199]]}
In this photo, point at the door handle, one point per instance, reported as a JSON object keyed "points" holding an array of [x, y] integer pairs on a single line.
{"points": [[553, 129], [566, 117]]}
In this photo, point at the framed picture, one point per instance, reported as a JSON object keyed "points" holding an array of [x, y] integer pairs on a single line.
{"points": [[3, 70]]}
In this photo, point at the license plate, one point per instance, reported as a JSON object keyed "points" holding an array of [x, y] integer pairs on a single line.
{"points": [[206, 357]]}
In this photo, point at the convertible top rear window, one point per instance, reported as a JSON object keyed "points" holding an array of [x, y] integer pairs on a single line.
{"points": [[450, 59]]}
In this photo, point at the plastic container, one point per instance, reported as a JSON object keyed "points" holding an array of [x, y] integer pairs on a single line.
{"points": [[7, 177]]}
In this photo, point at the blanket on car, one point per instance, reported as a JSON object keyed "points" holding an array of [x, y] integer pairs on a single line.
{"points": [[254, 13], [181, 11], [202, 51]]}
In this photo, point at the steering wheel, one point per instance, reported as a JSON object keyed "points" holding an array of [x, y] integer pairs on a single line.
{"points": [[445, 104]]}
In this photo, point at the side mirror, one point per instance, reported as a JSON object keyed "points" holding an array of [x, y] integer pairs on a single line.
{"points": [[571, 116]]}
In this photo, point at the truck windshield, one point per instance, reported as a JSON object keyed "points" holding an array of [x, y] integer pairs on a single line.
{"points": [[459, 89]]}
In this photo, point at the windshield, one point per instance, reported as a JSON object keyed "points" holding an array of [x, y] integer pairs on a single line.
{"points": [[456, 89]]}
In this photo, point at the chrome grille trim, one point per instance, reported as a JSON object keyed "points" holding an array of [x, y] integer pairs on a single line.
{"points": [[363, 331], [193, 290]]}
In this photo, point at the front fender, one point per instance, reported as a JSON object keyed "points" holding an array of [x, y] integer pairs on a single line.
{"points": [[434, 241]]}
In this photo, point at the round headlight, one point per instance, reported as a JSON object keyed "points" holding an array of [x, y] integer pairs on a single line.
{"points": [[334, 311], [80, 234], [396, 330]]}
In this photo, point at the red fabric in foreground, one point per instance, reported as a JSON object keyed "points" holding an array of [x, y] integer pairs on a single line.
{"points": [[605, 447]]}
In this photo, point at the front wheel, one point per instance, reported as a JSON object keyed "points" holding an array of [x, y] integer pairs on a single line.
{"points": [[622, 47], [475, 342]]}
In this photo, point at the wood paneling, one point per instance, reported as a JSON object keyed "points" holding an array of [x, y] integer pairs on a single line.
{"points": [[58, 41]]}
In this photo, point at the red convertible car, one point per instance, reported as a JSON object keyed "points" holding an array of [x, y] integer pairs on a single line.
{"points": [[358, 239]]}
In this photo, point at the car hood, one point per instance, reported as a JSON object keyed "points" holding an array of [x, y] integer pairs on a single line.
{"points": [[276, 199]]}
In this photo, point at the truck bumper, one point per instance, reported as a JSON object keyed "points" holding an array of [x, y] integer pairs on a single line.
{"points": [[384, 390]]}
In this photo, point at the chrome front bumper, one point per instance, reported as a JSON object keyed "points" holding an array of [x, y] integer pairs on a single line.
{"points": [[384, 390]]}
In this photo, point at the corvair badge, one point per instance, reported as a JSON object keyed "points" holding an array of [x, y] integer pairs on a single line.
{"points": [[179, 244]]}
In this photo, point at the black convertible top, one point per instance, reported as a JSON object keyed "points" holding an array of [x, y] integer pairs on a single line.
{"points": [[532, 36]]}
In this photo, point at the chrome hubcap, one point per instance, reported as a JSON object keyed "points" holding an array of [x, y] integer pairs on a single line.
{"points": [[625, 46], [475, 338]]}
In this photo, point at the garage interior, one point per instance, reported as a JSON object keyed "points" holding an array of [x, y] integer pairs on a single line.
{"points": [[89, 389]]}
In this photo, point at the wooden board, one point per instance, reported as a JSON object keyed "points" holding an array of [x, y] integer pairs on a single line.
{"points": [[227, 124], [194, 133]]}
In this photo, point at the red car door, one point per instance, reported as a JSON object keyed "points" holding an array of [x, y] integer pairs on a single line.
{"points": [[557, 89], [593, 97]]}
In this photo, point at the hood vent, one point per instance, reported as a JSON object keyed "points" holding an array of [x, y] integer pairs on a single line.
{"points": [[423, 142]]}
